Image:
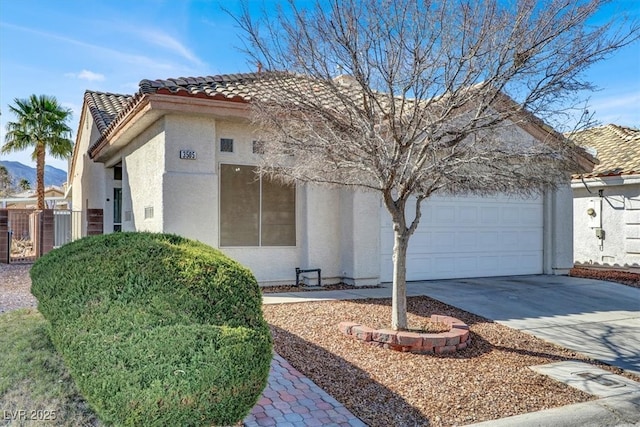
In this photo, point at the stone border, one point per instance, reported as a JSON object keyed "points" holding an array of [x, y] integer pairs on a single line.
{"points": [[457, 338]]}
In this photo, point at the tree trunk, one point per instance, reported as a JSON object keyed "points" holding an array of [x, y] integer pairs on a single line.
{"points": [[40, 153], [399, 297]]}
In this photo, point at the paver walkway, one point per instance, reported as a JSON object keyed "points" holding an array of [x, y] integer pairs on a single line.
{"points": [[291, 399]]}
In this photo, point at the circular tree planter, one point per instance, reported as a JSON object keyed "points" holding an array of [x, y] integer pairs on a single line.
{"points": [[456, 338]]}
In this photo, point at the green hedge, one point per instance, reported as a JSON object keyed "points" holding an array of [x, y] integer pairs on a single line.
{"points": [[156, 329]]}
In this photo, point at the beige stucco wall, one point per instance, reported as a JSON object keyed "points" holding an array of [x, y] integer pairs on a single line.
{"points": [[88, 187], [319, 231], [360, 236], [142, 170], [189, 186], [617, 213]]}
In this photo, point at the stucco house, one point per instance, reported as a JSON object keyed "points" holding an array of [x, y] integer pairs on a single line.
{"points": [[179, 156], [607, 200]]}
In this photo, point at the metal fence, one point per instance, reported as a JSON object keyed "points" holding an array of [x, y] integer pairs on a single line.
{"points": [[66, 225], [27, 232]]}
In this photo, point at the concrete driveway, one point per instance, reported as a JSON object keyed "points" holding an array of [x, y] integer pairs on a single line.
{"points": [[596, 318]]}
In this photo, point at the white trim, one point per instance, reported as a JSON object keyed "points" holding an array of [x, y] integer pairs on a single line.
{"points": [[605, 181]]}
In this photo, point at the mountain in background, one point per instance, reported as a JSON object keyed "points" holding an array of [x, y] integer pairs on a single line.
{"points": [[17, 171]]}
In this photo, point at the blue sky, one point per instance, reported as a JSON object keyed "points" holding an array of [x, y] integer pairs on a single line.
{"points": [[64, 47]]}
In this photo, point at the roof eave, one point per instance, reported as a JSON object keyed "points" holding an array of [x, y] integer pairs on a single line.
{"points": [[150, 107]]}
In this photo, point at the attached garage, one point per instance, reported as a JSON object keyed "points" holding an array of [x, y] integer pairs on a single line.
{"points": [[461, 237]]}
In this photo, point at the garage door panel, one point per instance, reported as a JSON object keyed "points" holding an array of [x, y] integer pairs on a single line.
{"points": [[509, 240], [467, 216], [489, 240], [444, 241], [443, 215], [488, 263], [467, 241], [470, 237], [467, 264], [489, 215], [510, 216], [531, 216], [530, 261], [531, 240]]}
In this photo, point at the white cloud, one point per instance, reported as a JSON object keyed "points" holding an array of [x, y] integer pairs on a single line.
{"points": [[167, 42], [87, 75], [91, 76], [107, 54]]}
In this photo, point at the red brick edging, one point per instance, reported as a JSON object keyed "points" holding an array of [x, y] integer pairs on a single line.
{"points": [[444, 342]]}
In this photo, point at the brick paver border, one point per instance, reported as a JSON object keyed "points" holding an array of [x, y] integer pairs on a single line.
{"points": [[457, 338]]}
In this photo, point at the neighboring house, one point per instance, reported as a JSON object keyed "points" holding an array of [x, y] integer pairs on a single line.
{"points": [[179, 156], [54, 198], [607, 201]]}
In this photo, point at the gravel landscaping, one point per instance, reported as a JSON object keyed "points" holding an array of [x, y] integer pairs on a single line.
{"points": [[15, 286], [490, 379], [623, 277]]}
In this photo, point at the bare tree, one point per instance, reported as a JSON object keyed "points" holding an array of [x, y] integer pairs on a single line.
{"points": [[411, 97]]}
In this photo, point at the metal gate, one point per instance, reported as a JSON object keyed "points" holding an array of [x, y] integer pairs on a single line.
{"points": [[33, 233], [24, 232]]}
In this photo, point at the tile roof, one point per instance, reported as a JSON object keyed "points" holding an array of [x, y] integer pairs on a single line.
{"points": [[110, 109], [104, 107], [618, 149], [230, 87]]}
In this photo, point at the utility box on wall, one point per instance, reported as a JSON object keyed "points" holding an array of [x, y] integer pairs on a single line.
{"points": [[594, 211]]}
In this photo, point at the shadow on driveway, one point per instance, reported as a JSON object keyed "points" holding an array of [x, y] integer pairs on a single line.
{"points": [[596, 318]]}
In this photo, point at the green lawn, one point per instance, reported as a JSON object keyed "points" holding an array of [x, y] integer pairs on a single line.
{"points": [[35, 387]]}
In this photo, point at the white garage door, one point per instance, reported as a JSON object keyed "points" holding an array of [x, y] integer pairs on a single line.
{"points": [[462, 237]]}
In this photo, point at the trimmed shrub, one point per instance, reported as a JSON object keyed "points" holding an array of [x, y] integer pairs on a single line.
{"points": [[156, 329]]}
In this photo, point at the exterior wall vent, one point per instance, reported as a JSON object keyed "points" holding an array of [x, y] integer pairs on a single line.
{"points": [[148, 212], [226, 145], [258, 147]]}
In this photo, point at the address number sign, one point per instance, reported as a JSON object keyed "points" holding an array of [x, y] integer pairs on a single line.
{"points": [[188, 154]]}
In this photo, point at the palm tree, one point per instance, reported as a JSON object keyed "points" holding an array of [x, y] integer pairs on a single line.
{"points": [[6, 183], [24, 184], [41, 123]]}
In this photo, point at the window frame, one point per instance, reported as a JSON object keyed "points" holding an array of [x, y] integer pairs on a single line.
{"points": [[260, 211]]}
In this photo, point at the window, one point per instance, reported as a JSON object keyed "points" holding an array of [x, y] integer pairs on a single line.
{"points": [[117, 173], [226, 145], [254, 210], [117, 209]]}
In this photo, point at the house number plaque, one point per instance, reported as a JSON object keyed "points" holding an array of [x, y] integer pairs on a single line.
{"points": [[188, 154]]}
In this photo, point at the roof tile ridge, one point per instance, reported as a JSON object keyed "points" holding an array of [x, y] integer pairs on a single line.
{"points": [[108, 129], [624, 132], [97, 92]]}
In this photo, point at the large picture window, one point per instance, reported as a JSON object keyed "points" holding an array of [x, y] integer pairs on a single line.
{"points": [[255, 211]]}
